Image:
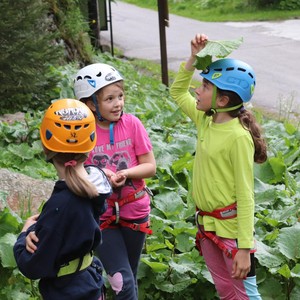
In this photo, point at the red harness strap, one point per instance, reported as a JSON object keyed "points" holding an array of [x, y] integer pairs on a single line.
{"points": [[228, 212], [224, 213], [139, 193], [115, 219]]}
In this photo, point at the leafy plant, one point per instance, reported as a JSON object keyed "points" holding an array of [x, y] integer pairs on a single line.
{"points": [[170, 267], [219, 49]]}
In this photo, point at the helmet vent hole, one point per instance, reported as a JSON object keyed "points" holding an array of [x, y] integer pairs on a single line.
{"points": [[230, 69], [218, 69], [58, 124], [48, 134], [86, 125], [250, 75], [77, 127], [68, 127], [99, 74], [241, 69], [71, 141], [87, 77], [79, 78]]}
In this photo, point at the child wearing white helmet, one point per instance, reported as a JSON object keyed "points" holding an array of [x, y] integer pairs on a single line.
{"points": [[62, 256], [124, 151], [229, 142]]}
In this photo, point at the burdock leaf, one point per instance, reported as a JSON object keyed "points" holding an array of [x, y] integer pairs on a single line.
{"points": [[219, 49]]}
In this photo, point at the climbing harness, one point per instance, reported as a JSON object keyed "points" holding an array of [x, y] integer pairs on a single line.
{"points": [[75, 265], [117, 204], [225, 213]]}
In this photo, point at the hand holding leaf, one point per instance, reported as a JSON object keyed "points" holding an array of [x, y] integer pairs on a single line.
{"points": [[219, 49]]}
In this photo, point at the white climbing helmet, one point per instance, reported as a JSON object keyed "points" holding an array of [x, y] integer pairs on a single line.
{"points": [[92, 78]]}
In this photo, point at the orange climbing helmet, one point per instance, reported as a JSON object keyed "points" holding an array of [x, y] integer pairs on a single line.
{"points": [[68, 126]]}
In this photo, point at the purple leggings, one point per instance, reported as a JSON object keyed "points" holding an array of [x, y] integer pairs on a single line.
{"points": [[220, 266]]}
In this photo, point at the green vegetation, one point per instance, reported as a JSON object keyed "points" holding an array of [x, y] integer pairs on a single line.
{"points": [[37, 37], [224, 11], [170, 268]]}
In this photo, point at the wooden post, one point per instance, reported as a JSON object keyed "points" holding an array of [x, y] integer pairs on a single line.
{"points": [[163, 17]]}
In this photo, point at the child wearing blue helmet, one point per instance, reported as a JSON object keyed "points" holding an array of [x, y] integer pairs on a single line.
{"points": [[229, 142]]}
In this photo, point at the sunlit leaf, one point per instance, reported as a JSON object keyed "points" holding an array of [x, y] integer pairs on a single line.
{"points": [[219, 49]]}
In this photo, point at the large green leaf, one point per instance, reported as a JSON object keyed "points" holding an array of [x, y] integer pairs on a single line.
{"points": [[155, 266], [170, 204], [271, 289], [267, 256], [9, 221], [219, 49], [178, 287], [6, 250], [289, 242]]}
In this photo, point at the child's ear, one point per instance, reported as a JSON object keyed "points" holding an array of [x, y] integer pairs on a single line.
{"points": [[222, 101]]}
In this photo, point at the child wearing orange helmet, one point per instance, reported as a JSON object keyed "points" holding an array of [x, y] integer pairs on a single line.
{"points": [[63, 259]]}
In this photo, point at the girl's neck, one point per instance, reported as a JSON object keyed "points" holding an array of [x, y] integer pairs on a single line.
{"points": [[103, 124], [221, 117]]}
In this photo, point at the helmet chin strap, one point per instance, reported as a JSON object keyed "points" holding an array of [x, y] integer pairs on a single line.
{"points": [[101, 119], [214, 108], [94, 98]]}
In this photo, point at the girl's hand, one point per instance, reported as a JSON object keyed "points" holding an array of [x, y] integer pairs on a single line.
{"points": [[241, 264], [119, 178], [30, 221], [31, 239], [198, 43], [108, 173]]}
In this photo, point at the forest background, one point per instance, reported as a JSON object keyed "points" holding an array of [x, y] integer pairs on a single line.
{"points": [[42, 44]]}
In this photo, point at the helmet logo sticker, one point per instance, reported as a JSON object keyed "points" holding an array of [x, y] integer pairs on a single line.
{"points": [[216, 75], [92, 83], [110, 77], [71, 114], [239, 82]]}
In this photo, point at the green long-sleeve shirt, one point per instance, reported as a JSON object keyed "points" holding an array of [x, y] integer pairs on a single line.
{"points": [[223, 167]]}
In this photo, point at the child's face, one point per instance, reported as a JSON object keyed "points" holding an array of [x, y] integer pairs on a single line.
{"points": [[204, 95], [111, 102]]}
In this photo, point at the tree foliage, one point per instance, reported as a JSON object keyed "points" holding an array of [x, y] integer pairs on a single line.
{"points": [[36, 37], [28, 49]]}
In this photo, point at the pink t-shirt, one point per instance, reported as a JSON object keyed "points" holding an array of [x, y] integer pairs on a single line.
{"points": [[130, 141]]}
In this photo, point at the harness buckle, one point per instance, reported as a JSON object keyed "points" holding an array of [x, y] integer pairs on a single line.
{"points": [[229, 213], [136, 226], [117, 208], [139, 194]]}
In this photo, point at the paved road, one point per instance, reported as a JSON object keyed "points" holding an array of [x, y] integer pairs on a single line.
{"points": [[272, 48]]}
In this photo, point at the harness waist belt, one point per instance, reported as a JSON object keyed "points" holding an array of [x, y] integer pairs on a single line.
{"points": [[72, 266], [228, 212], [138, 194]]}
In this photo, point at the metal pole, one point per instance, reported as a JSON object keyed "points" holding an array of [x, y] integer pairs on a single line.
{"points": [[111, 29]]}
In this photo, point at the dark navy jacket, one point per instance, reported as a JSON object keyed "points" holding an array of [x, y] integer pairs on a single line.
{"points": [[67, 228]]}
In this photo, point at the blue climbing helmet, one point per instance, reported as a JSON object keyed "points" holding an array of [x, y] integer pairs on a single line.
{"points": [[231, 75]]}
